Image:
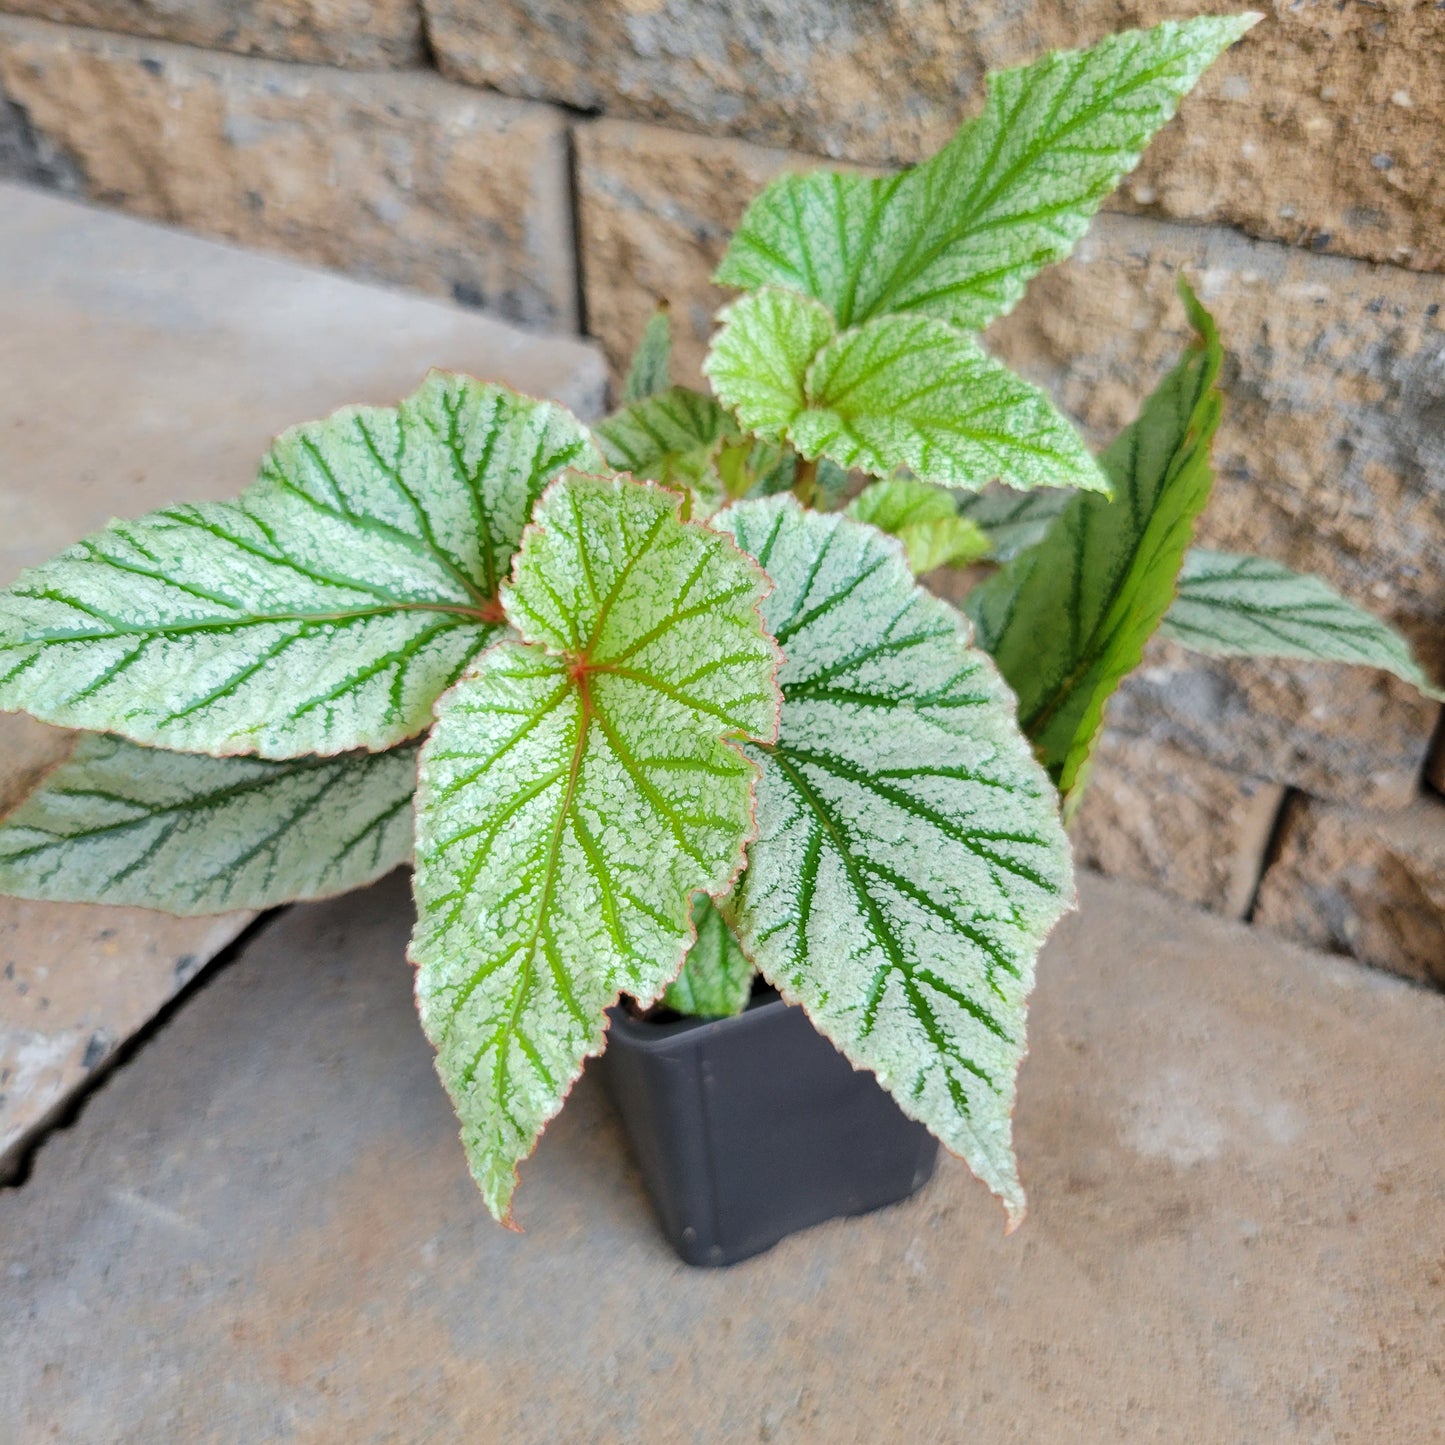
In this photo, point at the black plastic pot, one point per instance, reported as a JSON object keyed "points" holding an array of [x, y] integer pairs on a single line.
{"points": [[748, 1129]]}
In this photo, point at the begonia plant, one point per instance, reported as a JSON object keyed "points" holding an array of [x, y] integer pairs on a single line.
{"points": [[659, 704]]}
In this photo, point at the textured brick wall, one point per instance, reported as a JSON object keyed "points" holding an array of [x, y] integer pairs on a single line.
{"points": [[556, 161]]}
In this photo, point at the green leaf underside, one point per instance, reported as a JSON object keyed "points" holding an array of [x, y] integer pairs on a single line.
{"points": [[924, 519], [322, 611], [673, 438], [651, 369], [1067, 621], [1013, 521], [898, 392], [1231, 605], [910, 860], [717, 978], [958, 237], [578, 787], [189, 834]]}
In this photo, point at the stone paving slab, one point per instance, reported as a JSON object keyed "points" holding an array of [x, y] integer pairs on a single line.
{"points": [[143, 366], [262, 1228]]}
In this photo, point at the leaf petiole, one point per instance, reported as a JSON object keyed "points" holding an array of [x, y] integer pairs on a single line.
{"points": [[805, 481]]}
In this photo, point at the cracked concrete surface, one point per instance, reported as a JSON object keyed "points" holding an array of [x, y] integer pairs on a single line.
{"points": [[262, 1229]]}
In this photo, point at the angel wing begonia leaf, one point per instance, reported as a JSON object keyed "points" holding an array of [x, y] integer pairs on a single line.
{"points": [[1067, 620], [323, 610], [674, 437], [910, 860], [579, 786], [717, 977], [651, 369], [924, 519], [958, 237], [901, 391], [188, 834], [1232, 605]]}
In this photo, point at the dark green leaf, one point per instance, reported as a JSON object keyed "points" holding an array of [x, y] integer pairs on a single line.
{"points": [[1067, 621], [651, 369]]}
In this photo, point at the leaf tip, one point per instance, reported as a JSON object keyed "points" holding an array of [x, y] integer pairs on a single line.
{"points": [[1224, 29], [1017, 1209]]}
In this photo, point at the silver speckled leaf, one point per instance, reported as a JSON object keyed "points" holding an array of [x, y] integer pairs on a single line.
{"points": [[186, 833], [1230, 605], [578, 787], [324, 610], [958, 237], [910, 860]]}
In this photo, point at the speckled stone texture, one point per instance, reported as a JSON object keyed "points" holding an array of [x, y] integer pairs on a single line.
{"points": [[393, 177], [1324, 126], [1367, 884], [360, 33], [263, 1229], [1158, 815]]}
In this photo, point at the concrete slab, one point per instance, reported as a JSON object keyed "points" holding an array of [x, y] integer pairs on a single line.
{"points": [[262, 1229], [144, 366]]}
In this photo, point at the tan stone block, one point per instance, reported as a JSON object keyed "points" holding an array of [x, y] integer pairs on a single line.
{"points": [[361, 33], [1325, 125], [1331, 456], [656, 208], [1345, 733], [1159, 816], [402, 178], [1367, 884]]}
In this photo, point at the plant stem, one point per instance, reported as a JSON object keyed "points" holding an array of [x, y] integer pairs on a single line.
{"points": [[805, 481]]}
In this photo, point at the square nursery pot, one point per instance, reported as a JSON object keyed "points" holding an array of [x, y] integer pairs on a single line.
{"points": [[750, 1128]]}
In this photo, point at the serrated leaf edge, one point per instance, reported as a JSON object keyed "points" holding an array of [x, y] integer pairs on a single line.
{"points": [[729, 740], [77, 734], [1016, 1211]]}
